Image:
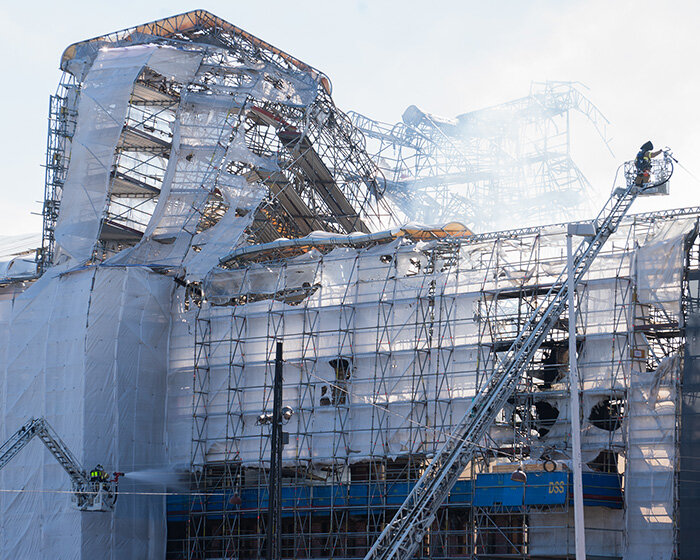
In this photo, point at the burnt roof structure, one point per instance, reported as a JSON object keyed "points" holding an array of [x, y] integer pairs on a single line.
{"points": [[200, 125]]}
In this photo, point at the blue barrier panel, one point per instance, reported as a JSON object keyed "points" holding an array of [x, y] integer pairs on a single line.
{"points": [[599, 489], [493, 490], [545, 488], [357, 494], [296, 497], [461, 494], [396, 493], [324, 497], [602, 489], [178, 507], [497, 489], [490, 490], [251, 499]]}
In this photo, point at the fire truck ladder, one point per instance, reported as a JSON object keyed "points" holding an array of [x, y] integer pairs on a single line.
{"points": [[406, 531], [88, 495]]}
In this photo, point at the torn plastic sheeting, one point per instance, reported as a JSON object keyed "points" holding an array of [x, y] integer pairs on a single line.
{"points": [[658, 269], [266, 82], [102, 108], [290, 88], [202, 118], [221, 285], [668, 365], [18, 267], [194, 170], [176, 63], [242, 199], [322, 238], [194, 156], [238, 151]]}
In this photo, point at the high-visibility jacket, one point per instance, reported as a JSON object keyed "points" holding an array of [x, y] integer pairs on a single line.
{"points": [[643, 160], [98, 475]]}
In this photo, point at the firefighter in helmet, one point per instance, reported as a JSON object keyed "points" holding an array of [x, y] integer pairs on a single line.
{"points": [[643, 162]]}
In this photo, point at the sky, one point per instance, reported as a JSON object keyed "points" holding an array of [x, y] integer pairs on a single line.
{"points": [[638, 60]]}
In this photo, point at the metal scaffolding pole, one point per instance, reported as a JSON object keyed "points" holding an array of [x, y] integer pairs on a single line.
{"points": [[579, 523], [274, 511]]}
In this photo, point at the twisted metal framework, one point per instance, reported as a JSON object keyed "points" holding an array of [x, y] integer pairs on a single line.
{"points": [[491, 167], [324, 178]]}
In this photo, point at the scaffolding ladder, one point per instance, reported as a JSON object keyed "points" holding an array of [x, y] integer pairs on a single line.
{"points": [[406, 531]]}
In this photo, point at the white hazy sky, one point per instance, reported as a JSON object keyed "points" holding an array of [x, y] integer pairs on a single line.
{"points": [[640, 60]]}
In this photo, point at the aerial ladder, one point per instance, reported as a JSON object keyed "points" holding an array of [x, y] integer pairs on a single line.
{"points": [[89, 493], [406, 531]]}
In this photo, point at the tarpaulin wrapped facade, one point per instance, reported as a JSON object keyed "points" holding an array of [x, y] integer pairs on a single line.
{"points": [[206, 199], [385, 346], [170, 146]]}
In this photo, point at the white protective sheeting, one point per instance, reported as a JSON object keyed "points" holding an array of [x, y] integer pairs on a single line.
{"points": [[379, 390], [651, 456], [551, 534], [194, 172], [203, 147], [102, 107], [17, 255], [86, 350], [241, 200], [658, 268], [179, 392]]}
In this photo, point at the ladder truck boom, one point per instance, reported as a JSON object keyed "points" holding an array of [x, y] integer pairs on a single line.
{"points": [[406, 531], [88, 494]]}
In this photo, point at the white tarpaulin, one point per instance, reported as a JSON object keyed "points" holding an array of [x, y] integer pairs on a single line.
{"points": [[104, 100], [87, 351], [18, 255]]}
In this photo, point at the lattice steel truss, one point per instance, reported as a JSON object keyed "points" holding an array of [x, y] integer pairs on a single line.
{"points": [[490, 168]]}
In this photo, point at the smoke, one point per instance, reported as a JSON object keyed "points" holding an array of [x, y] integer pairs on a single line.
{"points": [[496, 168]]}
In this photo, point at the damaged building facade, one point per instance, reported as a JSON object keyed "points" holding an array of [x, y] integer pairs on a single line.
{"points": [[206, 199]]}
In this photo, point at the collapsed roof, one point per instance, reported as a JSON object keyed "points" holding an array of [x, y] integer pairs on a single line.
{"points": [[186, 138]]}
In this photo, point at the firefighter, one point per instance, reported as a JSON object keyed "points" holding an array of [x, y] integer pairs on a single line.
{"points": [[643, 162], [98, 474]]}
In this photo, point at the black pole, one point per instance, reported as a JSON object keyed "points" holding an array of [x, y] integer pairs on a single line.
{"points": [[274, 511]]}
